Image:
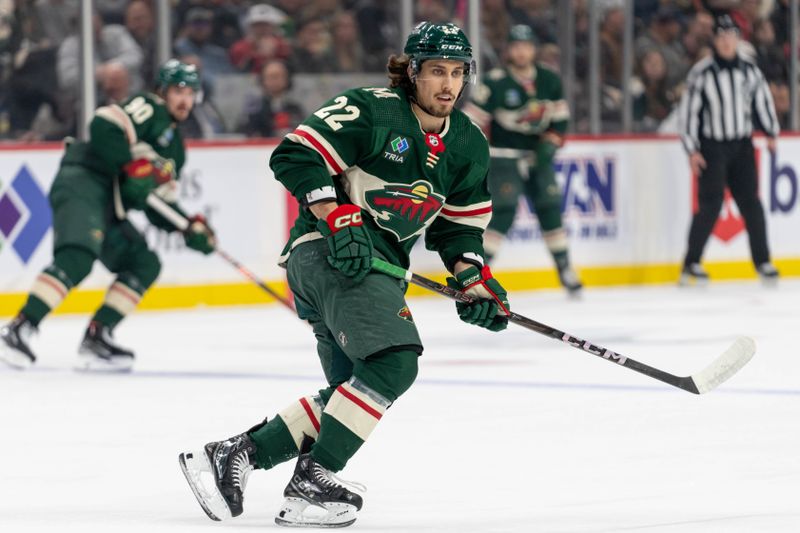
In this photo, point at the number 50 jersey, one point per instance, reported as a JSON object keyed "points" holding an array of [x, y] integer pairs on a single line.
{"points": [[366, 147]]}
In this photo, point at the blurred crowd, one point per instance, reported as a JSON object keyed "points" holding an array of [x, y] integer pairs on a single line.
{"points": [[268, 45]]}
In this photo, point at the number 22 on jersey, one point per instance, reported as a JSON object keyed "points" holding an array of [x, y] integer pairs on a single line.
{"points": [[335, 114]]}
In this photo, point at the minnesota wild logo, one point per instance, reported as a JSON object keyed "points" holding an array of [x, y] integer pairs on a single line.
{"points": [[404, 209]]}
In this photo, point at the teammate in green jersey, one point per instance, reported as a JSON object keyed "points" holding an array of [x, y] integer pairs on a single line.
{"points": [[374, 169], [522, 109], [134, 149]]}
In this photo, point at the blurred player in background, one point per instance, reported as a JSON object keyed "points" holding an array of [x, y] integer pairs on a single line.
{"points": [[134, 150], [523, 111], [373, 168]]}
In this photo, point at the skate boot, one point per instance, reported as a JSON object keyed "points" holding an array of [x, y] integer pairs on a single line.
{"points": [[315, 497], [14, 339], [569, 280], [768, 273], [226, 465], [693, 274], [98, 351]]}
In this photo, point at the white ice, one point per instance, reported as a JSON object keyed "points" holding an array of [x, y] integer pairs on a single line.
{"points": [[502, 432]]}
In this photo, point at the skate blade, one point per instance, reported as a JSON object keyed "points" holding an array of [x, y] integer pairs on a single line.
{"points": [[90, 362], [691, 281], [14, 358], [193, 465], [297, 512]]}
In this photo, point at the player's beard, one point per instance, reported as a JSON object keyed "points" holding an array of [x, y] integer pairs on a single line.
{"points": [[436, 110]]}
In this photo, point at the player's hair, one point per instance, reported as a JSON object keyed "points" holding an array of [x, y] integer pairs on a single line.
{"points": [[398, 73]]}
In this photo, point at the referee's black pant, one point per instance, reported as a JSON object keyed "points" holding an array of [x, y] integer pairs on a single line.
{"points": [[730, 163]]}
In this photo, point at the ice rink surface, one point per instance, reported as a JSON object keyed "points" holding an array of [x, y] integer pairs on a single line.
{"points": [[502, 432]]}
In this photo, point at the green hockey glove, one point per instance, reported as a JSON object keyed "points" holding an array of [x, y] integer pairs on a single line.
{"points": [[199, 235], [490, 309], [349, 242]]}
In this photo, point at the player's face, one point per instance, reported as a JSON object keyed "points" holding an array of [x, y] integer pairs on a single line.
{"points": [[180, 101], [521, 54], [438, 85]]}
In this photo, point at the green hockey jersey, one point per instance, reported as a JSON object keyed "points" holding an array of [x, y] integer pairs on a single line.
{"points": [[138, 127], [366, 147], [515, 112]]}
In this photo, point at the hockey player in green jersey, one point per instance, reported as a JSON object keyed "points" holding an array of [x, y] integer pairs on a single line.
{"points": [[523, 111], [134, 149], [374, 169]]}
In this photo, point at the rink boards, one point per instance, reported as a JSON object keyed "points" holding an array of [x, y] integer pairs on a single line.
{"points": [[627, 207]]}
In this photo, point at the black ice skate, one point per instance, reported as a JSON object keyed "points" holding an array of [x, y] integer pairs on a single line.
{"points": [[14, 339], [99, 352], [693, 274], [218, 475], [768, 273], [316, 498], [569, 280]]}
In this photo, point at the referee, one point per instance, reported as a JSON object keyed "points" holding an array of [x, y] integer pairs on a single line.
{"points": [[726, 97]]}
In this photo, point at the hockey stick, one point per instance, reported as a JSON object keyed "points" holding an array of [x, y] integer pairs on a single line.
{"points": [[180, 222], [725, 366]]}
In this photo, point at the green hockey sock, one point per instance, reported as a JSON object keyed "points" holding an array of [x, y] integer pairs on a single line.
{"points": [[108, 316], [274, 444], [336, 444]]}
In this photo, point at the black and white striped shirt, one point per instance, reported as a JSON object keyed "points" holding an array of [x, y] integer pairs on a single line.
{"points": [[722, 100]]}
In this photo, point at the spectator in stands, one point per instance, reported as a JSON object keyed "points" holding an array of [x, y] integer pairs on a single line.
{"points": [[197, 42], [496, 24], [112, 11], [294, 11], [113, 47], [434, 11], [276, 113], [538, 14], [549, 55], [663, 34], [27, 68], [769, 55], [312, 51], [697, 40], [377, 27], [347, 48], [745, 16], [140, 24], [653, 98], [611, 46], [115, 85], [781, 97], [57, 17], [263, 40], [780, 21], [324, 10], [205, 121]]}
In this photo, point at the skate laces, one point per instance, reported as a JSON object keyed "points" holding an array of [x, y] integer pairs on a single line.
{"points": [[240, 470], [329, 479]]}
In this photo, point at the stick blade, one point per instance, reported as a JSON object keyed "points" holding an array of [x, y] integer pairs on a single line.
{"points": [[725, 366]]}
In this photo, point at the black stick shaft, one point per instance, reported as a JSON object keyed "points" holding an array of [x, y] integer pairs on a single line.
{"points": [[685, 383]]}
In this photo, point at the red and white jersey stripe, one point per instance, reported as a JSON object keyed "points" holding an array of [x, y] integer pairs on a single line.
{"points": [[309, 137], [475, 215]]}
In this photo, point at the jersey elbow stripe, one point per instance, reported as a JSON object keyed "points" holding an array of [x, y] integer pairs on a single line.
{"points": [[475, 215], [302, 418], [117, 116], [312, 139], [355, 410]]}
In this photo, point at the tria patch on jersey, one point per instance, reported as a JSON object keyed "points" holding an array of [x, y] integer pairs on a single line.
{"points": [[404, 209], [398, 146]]}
